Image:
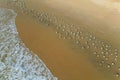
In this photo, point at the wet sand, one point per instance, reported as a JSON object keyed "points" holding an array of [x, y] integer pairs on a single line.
{"points": [[63, 62], [62, 58]]}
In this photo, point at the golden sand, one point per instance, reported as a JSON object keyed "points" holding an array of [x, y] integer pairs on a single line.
{"points": [[61, 52]]}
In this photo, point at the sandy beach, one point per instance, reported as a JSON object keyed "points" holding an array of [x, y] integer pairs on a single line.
{"points": [[64, 60]]}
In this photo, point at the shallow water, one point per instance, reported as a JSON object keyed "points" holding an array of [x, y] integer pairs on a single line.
{"points": [[61, 52]]}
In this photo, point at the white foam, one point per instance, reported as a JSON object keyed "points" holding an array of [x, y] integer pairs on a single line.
{"points": [[16, 61]]}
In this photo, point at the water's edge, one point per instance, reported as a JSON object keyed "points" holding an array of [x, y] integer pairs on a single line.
{"points": [[17, 61]]}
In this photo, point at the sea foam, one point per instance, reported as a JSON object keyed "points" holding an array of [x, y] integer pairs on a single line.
{"points": [[16, 61]]}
